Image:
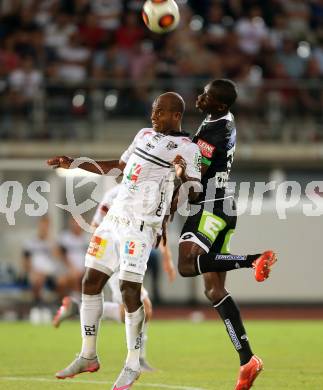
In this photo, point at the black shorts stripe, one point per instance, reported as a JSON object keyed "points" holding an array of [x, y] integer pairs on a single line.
{"points": [[153, 157], [150, 160]]}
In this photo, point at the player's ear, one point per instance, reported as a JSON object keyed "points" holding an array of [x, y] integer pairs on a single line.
{"points": [[178, 116], [222, 107]]}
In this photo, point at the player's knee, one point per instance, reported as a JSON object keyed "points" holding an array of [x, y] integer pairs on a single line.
{"points": [[91, 283], [186, 265], [215, 295], [130, 292]]}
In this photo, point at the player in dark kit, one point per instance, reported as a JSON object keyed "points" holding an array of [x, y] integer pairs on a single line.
{"points": [[205, 239]]}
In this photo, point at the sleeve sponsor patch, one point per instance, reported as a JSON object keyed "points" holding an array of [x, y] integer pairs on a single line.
{"points": [[205, 148]]}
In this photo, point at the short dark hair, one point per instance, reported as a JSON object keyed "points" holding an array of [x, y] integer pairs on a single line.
{"points": [[226, 91], [175, 102]]}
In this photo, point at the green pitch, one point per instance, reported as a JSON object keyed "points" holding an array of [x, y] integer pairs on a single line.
{"points": [[188, 356]]}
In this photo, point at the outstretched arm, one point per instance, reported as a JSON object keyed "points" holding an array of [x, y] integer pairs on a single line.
{"points": [[100, 167], [180, 170]]}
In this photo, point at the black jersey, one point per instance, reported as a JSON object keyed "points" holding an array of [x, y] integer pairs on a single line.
{"points": [[216, 140]]}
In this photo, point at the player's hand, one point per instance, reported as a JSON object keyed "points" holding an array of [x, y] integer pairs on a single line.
{"points": [[180, 166], [60, 162]]}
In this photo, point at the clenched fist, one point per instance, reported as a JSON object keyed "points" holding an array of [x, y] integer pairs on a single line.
{"points": [[60, 162], [180, 166]]}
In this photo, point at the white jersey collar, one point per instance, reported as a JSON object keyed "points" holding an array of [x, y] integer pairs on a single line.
{"points": [[228, 117]]}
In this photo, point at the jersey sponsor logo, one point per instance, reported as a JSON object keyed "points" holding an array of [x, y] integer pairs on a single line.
{"points": [[134, 248], [205, 148], [129, 247], [97, 247], [157, 137], [230, 257], [149, 146], [171, 145], [221, 179], [232, 334], [197, 161], [134, 172]]}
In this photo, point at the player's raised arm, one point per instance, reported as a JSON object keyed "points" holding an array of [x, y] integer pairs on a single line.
{"points": [[99, 167], [188, 169]]}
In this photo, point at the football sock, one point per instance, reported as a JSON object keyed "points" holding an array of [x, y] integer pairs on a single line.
{"points": [[90, 315], [230, 314], [112, 311], [216, 262], [134, 328], [144, 339]]}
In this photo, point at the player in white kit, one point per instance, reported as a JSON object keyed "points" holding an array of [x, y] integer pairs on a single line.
{"points": [[114, 309], [128, 233]]}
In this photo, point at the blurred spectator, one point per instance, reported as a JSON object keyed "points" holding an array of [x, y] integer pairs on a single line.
{"points": [[110, 63], [72, 247], [216, 27], [298, 17], [24, 84], [130, 32], [44, 10], [40, 265], [92, 35], [75, 7], [167, 67], [252, 31], [289, 58], [316, 13], [68, 40], [109, 13], [279, 31], [318, 52], [311, 97], [73, 60], [9, 59], [232, 56], [57, 34], [27, 21], [142, 62]]}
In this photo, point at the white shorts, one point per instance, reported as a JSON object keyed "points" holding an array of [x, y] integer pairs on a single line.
{"points": [[121, 246], [116, 293]]}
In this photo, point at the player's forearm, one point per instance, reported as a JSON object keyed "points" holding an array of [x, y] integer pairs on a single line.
{"points": [[101, 167], [194, 188]]}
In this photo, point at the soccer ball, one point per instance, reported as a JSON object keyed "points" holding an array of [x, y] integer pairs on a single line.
{"points": [[160, 16]]}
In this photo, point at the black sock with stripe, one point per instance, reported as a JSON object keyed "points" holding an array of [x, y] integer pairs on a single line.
{"points": [[215, 262], [230, 314]]}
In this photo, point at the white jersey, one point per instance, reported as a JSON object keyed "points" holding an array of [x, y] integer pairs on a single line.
{"points": [[105, 205], [41, 255], [75, 247], [148, 178]]}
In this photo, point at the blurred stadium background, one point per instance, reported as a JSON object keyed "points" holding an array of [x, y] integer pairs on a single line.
{"points": [[77, 77]]}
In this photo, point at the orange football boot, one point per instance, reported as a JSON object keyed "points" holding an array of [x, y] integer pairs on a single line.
{"points": [[263, 264], [248, 373]]}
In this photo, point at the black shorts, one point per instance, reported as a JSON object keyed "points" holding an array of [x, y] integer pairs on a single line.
{"points": [[213, 226]]}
